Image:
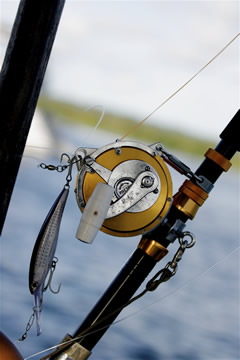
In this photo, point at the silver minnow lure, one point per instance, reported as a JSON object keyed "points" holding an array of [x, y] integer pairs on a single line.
{"points": [[42, 259]]}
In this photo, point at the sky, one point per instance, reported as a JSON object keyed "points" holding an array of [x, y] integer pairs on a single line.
{"points": [[130, 56]]}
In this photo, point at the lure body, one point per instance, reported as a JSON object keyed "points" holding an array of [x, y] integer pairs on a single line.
{"points": [[43, 253]]}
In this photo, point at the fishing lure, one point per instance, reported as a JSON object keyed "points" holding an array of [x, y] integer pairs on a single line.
{"points": [[43, 255], [43, 258]]}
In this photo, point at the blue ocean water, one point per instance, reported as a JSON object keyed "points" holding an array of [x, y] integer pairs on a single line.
{"points": [[194, 316]]}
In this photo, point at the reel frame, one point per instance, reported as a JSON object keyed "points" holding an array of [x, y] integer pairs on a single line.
{"points": [[120, 164]]}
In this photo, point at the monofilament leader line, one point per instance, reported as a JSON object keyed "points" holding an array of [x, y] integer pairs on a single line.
{"points": [[179, 89], [56, 150], [197, 276], [154, 111]]}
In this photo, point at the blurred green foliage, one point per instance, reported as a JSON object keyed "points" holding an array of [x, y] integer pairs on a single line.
{"points": [[67, 112]]}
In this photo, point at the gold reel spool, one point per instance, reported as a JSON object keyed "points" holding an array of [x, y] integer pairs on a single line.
{"points": [[141, 181]]}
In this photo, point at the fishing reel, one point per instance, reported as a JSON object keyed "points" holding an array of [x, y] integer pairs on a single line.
{"points": [[124, 188]]}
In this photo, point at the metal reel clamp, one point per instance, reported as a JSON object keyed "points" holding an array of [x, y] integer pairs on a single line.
{"points": [[141, 181]]}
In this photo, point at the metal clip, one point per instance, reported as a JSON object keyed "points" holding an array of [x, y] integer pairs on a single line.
{"points": [[70, 161], [184, 244], [174, 162]]}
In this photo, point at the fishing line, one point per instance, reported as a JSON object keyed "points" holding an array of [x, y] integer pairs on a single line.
{"points": [[155, 110], [99, 121], [197, 276], [39, 159], [41, 148], [57, 151], [84, 334], [179, 89]]}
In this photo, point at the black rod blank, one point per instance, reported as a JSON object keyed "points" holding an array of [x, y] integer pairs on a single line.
{"points": [[117, 295], [21, 79]]}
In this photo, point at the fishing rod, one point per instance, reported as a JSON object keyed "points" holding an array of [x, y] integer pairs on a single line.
{"points": [[125, 189]]}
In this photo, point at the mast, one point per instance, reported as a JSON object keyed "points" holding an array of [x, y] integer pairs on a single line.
{"points": [[21, 78]]}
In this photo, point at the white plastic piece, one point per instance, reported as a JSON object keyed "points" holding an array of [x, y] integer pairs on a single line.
{"points": [[95, 213]]}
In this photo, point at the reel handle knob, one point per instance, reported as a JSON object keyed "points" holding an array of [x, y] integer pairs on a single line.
{"points": [[95, 213]]}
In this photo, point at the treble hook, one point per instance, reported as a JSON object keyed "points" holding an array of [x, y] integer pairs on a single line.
{"points": [[49, 283]]}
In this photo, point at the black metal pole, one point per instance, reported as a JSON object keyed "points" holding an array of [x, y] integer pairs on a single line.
{"points": [[21, 78]]}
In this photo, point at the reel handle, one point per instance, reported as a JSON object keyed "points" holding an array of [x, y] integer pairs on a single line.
{"points": [[94, 213]]}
